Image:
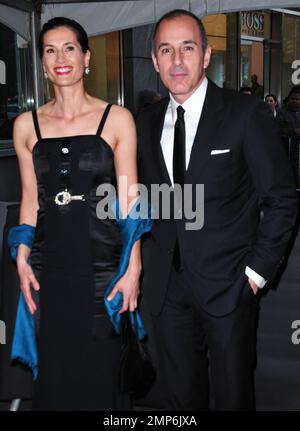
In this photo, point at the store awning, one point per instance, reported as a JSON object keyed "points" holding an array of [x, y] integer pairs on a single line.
{"points": [[16, 18], [99, 17], [106, 16]]}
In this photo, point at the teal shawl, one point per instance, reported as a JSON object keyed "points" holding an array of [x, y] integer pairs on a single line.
{"points": [[24, 345]]}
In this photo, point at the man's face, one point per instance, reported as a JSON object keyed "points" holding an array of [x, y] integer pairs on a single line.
{"points": [[294, 101], [178, 56]]}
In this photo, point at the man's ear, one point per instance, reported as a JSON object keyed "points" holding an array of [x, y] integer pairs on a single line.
{"points": [[154, 59], [207, 56]]}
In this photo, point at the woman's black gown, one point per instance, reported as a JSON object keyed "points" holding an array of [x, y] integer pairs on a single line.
{"points": [[74, 256]]}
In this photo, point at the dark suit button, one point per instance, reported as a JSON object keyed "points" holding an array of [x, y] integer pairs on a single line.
{"points": [[170, 250]]}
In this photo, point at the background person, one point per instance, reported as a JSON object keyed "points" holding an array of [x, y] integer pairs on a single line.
{"points": [[272, 102]]}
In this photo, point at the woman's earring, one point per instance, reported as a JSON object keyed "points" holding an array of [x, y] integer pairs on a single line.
{"points": [[86, 70], [46, 75]]}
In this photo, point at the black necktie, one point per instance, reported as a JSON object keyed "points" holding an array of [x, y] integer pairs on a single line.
{"points": [[179, 170], [179, 148]]}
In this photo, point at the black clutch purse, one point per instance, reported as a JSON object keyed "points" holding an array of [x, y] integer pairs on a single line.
{"points": [[136, 373]]}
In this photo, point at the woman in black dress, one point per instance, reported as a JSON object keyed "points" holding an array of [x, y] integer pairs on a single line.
{"points": [[73, 144]]}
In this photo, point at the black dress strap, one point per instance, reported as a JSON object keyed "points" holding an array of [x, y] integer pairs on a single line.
{"points": [[36, 125], [103, 119]]}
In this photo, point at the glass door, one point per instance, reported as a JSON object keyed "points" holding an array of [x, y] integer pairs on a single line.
{"points": [[252, 65]]}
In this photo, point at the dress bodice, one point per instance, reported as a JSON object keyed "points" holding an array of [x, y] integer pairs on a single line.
{"points": [[78, 163], [72, 235]]}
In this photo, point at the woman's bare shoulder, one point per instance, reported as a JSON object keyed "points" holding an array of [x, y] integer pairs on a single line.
{"points": [[122, 126], [23, 126], [24, 134], [116, 110], [23, 120], [121, 114]]}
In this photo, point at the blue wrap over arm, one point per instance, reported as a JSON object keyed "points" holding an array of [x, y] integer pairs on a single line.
{"points": [[24, 346], [21, 234], [138, 222]]}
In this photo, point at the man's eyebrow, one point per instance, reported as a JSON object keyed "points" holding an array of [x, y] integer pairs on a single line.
{"points": [[163, 44], [185, 42], [190, 42]]}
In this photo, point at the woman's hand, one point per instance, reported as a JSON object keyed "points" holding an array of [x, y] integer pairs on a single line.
{"points": [[129, 286], [27, 279]]}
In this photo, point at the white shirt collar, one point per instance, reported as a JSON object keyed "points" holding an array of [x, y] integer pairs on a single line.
{"points": [[192, 104]]}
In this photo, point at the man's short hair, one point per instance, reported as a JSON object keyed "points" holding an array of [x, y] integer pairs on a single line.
{"points": [[175, 14]]}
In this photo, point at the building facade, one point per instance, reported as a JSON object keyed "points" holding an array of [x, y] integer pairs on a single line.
{"points": [[262, 43]]}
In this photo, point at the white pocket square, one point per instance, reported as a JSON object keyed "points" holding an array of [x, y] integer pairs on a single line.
{"points": [[214, 152]]}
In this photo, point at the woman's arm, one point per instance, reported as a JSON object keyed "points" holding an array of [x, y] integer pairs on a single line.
{"points": [[22, 136], [126, 171]]}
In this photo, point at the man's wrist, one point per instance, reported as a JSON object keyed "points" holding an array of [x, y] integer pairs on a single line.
{"points": [[255, 277]]}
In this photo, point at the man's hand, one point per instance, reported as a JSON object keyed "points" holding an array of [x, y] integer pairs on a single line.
{"points": [[253, 286]]}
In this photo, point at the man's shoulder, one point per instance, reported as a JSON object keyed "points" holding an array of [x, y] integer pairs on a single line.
{"points": [[153, 110], [233, 97]]}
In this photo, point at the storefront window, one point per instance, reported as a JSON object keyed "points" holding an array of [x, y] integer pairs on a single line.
{"points": [[222, 32], [290, 52], [16, 94], [215, 26], [254, 28], [104, 81], [252, 54]]}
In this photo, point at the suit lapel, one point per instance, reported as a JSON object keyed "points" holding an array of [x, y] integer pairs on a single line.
{"points": [[209, 124], [156, 132]]}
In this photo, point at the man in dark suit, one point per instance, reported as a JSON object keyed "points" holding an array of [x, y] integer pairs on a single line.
{"points": [[200, 286]]}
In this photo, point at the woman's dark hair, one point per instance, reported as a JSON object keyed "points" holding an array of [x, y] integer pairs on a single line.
{"points": [[57, 22]]}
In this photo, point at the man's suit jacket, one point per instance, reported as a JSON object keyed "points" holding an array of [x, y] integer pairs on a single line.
{"points": [[253, 175]]}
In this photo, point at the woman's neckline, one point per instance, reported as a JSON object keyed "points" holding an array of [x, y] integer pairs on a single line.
{"points": [[60, 138]]}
